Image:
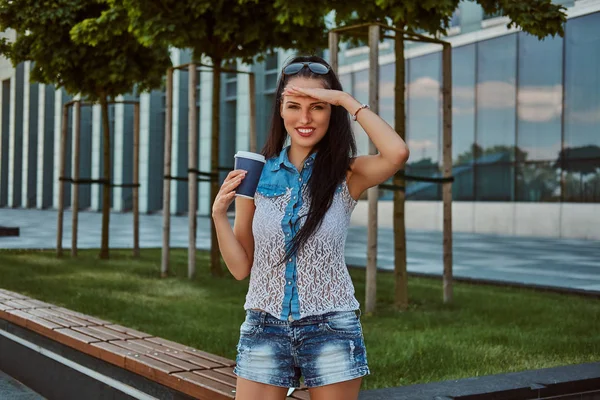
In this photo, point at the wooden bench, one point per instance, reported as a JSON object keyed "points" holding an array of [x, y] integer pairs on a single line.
{"points": [[191, 371]]}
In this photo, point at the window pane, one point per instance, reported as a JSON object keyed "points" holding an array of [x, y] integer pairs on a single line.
{"points": [[423, 117], [540, 97], [231, 89], [360, 91], [387, 81], [538, 181], [494, 182], [582, 85], [496, 94], [463, 110], [582, 181], [346, 81], [416, 190], [270, 81], [271, 62], [462, 187]]}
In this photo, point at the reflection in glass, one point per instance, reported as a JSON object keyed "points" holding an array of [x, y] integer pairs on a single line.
{"points": [[495, 181], [424, 113], [582, 180], [463, 99], [387, 82], [360, 91], [416, 190], [496, 93], [496, 113], [582, 82], [538, 181], [346, 81], [540, 97]]}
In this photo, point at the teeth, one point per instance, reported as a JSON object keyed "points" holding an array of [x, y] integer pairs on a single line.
{"points": [[305, 130]]}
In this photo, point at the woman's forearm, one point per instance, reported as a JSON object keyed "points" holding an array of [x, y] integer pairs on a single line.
{"points": [[387, 141], [233, 252]]}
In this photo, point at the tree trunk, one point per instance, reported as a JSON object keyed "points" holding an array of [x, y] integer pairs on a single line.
{"points": [[215, 255], [373, 193], [447, 186], [76, 168], [164, 264], [61, 183], [400, 274], [106, 176], [192, 165], [136, 179]]}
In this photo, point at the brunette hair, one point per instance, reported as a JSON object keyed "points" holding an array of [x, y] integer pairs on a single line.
{"points": [[335, 151]]}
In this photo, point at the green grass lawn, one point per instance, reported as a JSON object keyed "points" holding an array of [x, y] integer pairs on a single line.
{"points": [[486, 330]]}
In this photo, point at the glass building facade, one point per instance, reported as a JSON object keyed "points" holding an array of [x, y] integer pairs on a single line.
{"points": [[526, 116], [526, 122]]}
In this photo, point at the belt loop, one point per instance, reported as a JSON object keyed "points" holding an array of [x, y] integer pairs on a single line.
{"points": [[263, 317]]}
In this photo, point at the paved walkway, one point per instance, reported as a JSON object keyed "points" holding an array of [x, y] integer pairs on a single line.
{"points": [[11, 389], [563, 263]]}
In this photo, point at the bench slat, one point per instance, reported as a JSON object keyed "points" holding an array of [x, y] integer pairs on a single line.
{"points": [[43, 313], [110, 353], [215, 375], [110, 332], [90, 331], [200, 361], [74, 338], [129, 331], [75, 321], [12, 295], [212, 357], [93, 320], [145, 365], [15, 305], [207, 389]]}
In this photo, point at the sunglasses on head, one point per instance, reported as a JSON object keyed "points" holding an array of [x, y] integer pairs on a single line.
{"points": [[315, 67]]}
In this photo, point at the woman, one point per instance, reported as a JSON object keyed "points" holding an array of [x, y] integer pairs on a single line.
{"points": [[302, 318]]}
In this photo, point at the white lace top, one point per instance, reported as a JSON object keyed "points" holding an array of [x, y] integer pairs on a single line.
{"points": [[316, 280]]}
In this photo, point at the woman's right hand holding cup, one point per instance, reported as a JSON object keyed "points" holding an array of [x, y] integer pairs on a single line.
{"points": [[226, 194]]}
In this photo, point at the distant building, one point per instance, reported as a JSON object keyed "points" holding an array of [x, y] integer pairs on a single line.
{"points": [[526, 129]]}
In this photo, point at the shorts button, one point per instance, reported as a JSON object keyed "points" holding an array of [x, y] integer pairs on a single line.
{"points": [[290, 318]]}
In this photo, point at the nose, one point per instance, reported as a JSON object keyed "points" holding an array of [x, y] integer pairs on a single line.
{"points": [[306, 117]]}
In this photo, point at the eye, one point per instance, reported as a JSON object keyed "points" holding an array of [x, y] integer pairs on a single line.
{"points": [[319, 107], [293, 106]]}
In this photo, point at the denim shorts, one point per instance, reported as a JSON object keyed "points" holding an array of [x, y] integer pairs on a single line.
{"points": [[324, 349]]}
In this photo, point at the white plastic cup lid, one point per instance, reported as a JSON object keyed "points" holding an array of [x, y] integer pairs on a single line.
{"points": [[251, 156]]}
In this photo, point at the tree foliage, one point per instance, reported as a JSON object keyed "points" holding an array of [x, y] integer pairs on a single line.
{"points": [[66, 53], [221, 29]]}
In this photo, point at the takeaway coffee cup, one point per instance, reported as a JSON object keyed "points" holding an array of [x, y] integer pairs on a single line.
{"points": [[253, 163]]}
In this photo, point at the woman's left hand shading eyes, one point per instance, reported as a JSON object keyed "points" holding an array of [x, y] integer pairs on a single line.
{"points": [[330, 96]]}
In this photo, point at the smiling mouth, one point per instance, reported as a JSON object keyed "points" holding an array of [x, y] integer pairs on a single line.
{"points": [[305, 131]]}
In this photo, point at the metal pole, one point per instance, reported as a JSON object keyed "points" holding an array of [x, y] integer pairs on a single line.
{"points": [[373, 193], [447, 157], [136, 180], [164, 266], [192, 165], [333, 50], [252, 98], [76, 167], [61, 187]]}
